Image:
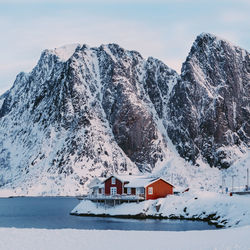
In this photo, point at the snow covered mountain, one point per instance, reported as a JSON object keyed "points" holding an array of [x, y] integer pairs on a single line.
{"points": [[81, 115], [84, 112], [209, 107]]}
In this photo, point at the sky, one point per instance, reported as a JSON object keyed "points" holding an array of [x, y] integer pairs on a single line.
{"points": [[164, 29]]}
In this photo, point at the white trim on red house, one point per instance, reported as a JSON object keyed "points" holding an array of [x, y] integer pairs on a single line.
{"points": [[113, 190], [113, 180], [150, 191]]}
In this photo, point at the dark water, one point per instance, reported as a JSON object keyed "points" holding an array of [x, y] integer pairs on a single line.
{"points": [[53, 213]]}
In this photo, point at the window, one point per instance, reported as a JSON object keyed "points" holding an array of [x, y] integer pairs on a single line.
{"points": [[150, 190], [113, 191], [113, 180], [128, 190]]}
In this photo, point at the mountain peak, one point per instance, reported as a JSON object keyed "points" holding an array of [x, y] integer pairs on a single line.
{"points": [[205, 35], [215, 78], [64, 52], [208, 40]]}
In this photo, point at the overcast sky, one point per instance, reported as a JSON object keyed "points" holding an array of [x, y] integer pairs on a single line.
{"points": [[158, 28]]}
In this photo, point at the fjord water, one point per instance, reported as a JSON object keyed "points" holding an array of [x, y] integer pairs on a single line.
{"points": [[53, 213]]}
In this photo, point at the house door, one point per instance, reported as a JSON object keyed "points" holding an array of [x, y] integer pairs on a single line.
{"points": [[113, 191]]}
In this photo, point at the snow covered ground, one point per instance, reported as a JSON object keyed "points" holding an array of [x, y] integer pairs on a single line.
{"points": [[43, 239], [221, 209], [235, 209]]}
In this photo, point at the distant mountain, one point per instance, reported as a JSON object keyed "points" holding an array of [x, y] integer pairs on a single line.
{"points": [[84, 112], [209, 107]]}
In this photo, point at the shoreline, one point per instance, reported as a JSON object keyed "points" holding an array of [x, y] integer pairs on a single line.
{"points": [[211, 220], [41, 196], [216, 209]]}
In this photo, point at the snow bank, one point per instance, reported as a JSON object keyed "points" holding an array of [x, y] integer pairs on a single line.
{"points": [[40, 239], [219, 209], [6, 193]]}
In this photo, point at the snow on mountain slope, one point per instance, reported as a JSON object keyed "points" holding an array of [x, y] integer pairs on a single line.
{"points": [[64, 52], [84, 112], [66, 122], [2, 97], [209, 107]]}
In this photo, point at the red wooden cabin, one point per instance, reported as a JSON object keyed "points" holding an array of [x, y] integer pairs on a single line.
{"points": [[137, 185], [113, 186], [158, 189]]}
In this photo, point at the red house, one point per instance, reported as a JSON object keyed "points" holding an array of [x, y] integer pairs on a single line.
{"points": [[149, 188], [113, 186], [158, 189]]}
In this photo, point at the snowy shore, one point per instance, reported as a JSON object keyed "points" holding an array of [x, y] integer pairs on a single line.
{"points": [[235, 211], [219, 209], [44, 239]]}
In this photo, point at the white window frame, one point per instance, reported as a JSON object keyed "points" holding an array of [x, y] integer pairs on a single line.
{"points": [[113, 180], [128, 190], [113, 191], [138, 191], [150, 190]]}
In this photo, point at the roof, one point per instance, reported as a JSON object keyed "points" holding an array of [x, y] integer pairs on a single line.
{"points": [[96, 182], [161, 179], [136, 180], [140, 182], [122, 178]]}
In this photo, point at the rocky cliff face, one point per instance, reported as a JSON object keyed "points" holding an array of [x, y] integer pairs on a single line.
{"points": [[210, 104], [85, 112], [90, 114]]}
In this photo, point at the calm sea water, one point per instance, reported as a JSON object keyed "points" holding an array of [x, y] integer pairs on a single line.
{"points": [[53, 213]]}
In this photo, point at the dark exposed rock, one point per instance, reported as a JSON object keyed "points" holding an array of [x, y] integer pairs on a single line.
{"points": [[209, 107], [90, 113]]}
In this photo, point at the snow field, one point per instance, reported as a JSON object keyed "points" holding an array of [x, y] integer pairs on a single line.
{"points": [[64, 239]]}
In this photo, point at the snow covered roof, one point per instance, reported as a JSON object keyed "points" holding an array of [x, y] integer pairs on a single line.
{"points": [[96, 182], [141, 182], [180, 189], [136, 180], [156, 179], [97, 186], [128, 178]]}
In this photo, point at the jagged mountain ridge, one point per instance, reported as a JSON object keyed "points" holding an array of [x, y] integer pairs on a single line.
{"points": [[210, 105], [85, 112], [88, 115]]}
